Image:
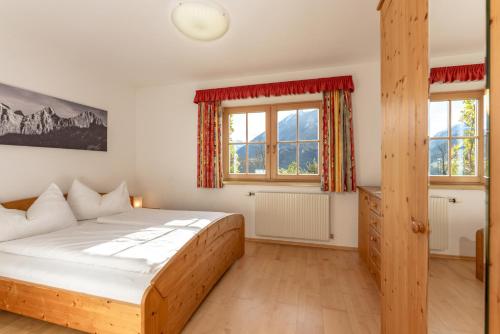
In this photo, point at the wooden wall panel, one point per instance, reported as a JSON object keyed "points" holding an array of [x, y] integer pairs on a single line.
{"points": [[405, 93], [494, 236]]}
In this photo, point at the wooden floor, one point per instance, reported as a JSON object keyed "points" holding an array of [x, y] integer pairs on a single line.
{"points": [[274, 289], [456, 298], [287, 289]]}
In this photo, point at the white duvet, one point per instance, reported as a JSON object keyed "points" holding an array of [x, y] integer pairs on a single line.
{"points": [[168, 218], [143, 246]]}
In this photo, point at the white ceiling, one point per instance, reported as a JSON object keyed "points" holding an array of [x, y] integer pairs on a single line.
{"points": [[457, 27], [135, 42]]}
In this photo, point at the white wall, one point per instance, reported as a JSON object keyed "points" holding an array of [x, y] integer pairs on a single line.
{"points": [[166, 149], [465, 217], [26, 171]]}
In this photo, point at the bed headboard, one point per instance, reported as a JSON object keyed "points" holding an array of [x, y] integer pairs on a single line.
{"points": [[24, 204]]}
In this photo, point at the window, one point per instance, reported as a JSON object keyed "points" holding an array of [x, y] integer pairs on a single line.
{"points": [[278, 142], [455, 137]]}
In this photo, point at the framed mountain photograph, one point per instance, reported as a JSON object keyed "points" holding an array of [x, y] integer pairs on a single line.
{"points": [[32, 119]]}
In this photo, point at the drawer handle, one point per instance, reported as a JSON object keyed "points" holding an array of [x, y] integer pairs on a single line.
{"points": [[372, 238]]}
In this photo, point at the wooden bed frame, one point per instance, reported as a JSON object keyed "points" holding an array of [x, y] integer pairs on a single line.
{"points": [[167, 304]]}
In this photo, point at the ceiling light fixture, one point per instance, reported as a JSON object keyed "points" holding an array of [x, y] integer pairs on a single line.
{"points": [[202, 20]]}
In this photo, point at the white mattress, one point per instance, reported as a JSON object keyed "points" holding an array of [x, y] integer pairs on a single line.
{"points": [[62, 259]]}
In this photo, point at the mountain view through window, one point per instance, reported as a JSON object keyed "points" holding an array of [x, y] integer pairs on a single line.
{"points": [[454, 138], [290, 138]]}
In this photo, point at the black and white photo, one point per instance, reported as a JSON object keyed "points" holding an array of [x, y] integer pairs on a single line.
{"points": [[33, 119]]}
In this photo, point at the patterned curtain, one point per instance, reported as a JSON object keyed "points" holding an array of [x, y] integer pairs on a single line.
{"points": [[339, 168], [209, 145]]}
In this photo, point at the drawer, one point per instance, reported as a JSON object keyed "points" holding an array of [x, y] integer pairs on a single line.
{"points": [[376, 205], [375, 257], [376, 222], [374, 238]]}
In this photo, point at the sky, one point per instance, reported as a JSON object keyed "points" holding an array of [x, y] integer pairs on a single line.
{"points": [[30, 102], [439, 113]]}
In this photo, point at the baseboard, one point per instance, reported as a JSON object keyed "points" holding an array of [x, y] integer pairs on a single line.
{"points": [[300, 244], [452, 257]]}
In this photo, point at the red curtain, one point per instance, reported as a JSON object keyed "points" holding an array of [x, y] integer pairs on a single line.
{"points": [[339, 166], [311, 86], [209, 168], [462, 73]]}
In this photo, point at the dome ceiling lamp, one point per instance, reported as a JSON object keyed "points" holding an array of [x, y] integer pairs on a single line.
{"points": [[201, 20]]}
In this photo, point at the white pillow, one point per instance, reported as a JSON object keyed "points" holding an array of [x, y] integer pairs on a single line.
{"points": [[50, 212], [89, 204], [14, 226]]}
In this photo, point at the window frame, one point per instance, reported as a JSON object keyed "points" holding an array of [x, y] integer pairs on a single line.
{"points": [[271, 145], [274, 141], [461, 180]]}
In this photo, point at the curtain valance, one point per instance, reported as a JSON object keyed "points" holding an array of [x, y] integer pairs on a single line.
{"points": [[461, 73], [311, 86]]}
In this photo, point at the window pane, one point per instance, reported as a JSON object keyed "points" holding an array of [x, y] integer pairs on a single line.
{"points": [[257, 158], [463, 118], [237, 128], [438, 119], [308, 124], [287, 159], [287, 125], [463, 157], [257, 127], [438, 157], [237, 159], [308, 158]]}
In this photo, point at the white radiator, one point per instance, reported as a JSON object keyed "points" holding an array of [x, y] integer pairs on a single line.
{"points": [[438, 221], [293, 215]]}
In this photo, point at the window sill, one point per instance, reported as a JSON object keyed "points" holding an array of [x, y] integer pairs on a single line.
{"points": [[273, 183], [458, 186]]}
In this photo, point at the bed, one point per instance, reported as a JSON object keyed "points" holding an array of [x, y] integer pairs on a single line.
{"points": [[104, 299]]}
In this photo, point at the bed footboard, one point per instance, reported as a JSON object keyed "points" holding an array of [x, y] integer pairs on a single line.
{"points": [[70, 309], [180, 287]]}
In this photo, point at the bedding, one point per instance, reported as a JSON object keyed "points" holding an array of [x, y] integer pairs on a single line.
{"points": [[169, 218], [138, 248], [89, 204], [123, 247], [103, 282], [50, 212], [13, 225]]}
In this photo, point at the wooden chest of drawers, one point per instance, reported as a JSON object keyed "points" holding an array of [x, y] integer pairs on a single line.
{"points": [[370, 227]]}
